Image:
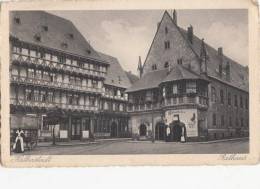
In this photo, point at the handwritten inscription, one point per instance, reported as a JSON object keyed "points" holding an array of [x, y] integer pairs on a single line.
{"points": [[233, 157], [43, 159]]}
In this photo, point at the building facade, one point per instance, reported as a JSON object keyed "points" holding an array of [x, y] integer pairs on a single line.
{"points": [[60, 85], [185, 80]]}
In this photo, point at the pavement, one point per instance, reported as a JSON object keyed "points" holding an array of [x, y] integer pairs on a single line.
{"points": [[127, 146]]}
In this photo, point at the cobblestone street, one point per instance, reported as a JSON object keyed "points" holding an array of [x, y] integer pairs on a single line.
{"points": [[145, 147]]}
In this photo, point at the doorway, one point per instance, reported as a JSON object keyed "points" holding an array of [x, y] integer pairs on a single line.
{"points": [[143, 130], [76, 129], [113, 132], [160, 131]]}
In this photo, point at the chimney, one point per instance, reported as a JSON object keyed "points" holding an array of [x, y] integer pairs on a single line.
{"points": [[174, 16], [190, 34], [228, 71], [140, 67], [220, 55]]}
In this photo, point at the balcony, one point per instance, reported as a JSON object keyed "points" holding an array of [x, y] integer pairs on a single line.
{"points": [[16, 57], [114, 97], [49, 105], [56, 85], [198, 101]]}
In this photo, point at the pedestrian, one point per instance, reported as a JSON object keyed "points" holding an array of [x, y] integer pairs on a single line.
{"points": [[18, 144]]}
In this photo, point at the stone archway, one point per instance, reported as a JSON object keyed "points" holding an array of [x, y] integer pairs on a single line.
{"points": [[142, 130]]}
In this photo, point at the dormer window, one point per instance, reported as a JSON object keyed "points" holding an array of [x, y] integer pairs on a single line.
{"points": [[71, 36], [179, 61], [166, 30], [88, 51], [166, 64], [45, 28], [64, 45], [166, 44], [154, 67], [37, 37], [17, 20]]}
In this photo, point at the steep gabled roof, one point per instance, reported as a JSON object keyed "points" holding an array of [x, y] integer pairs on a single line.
{"points": [[115, 76], [55, 32], [133, 78], [179, 72], [238, 73], [149, 80]]}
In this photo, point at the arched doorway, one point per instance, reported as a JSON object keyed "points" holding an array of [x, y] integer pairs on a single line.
{"points": [[142, 130], [160, 131], [113, 132], [178, 130]]}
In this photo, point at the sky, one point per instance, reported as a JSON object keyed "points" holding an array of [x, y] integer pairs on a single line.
{"points": [[128, 34]]}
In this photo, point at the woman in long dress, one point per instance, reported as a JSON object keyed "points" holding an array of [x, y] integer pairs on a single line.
{"points": [[18, 144]]}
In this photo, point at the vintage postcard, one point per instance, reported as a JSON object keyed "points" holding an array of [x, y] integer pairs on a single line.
{"points": [[102, 83]]}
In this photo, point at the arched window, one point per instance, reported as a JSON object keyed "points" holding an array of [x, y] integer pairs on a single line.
{"points": [[166, 30]]}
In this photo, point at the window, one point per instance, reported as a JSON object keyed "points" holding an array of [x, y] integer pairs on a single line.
{"points": [[46, 76], [71, 36], [45, 28], [38, 74], [222, 120], [221, 96], [166, 64], [92, 101], [213, 94], [179, 61], [214, 119], [235, 100], [237, 123], [94, 83], [242, 122], [241, 102], [174, 89], [17, 49], [61, 59], [191, 87], [17, 20], [31, 73], [28, 94], [230, 121], [37, 37], [69, 99], [64, 45], [166, 30], [229, 98], [36, 95], [166, 44], [50, 96], [43, 96], [154, 67]]}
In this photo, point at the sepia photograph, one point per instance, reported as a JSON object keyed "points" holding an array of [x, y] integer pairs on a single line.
{"points": [[129, 82], [89, 84]]}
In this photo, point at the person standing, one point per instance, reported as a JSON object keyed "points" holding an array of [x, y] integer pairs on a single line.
{"points": [[18, 144]]}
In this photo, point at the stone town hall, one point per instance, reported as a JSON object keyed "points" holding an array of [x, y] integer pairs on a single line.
{"points": [[185, 79], [57, 79]]}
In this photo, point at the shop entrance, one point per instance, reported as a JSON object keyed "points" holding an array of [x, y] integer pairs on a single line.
{"points": [[160, 131], [143, 130], [76, 129], [113, 130]]}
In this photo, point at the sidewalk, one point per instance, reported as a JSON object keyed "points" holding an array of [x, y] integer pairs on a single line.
{"points": [[78, 142], [200, 142]]}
